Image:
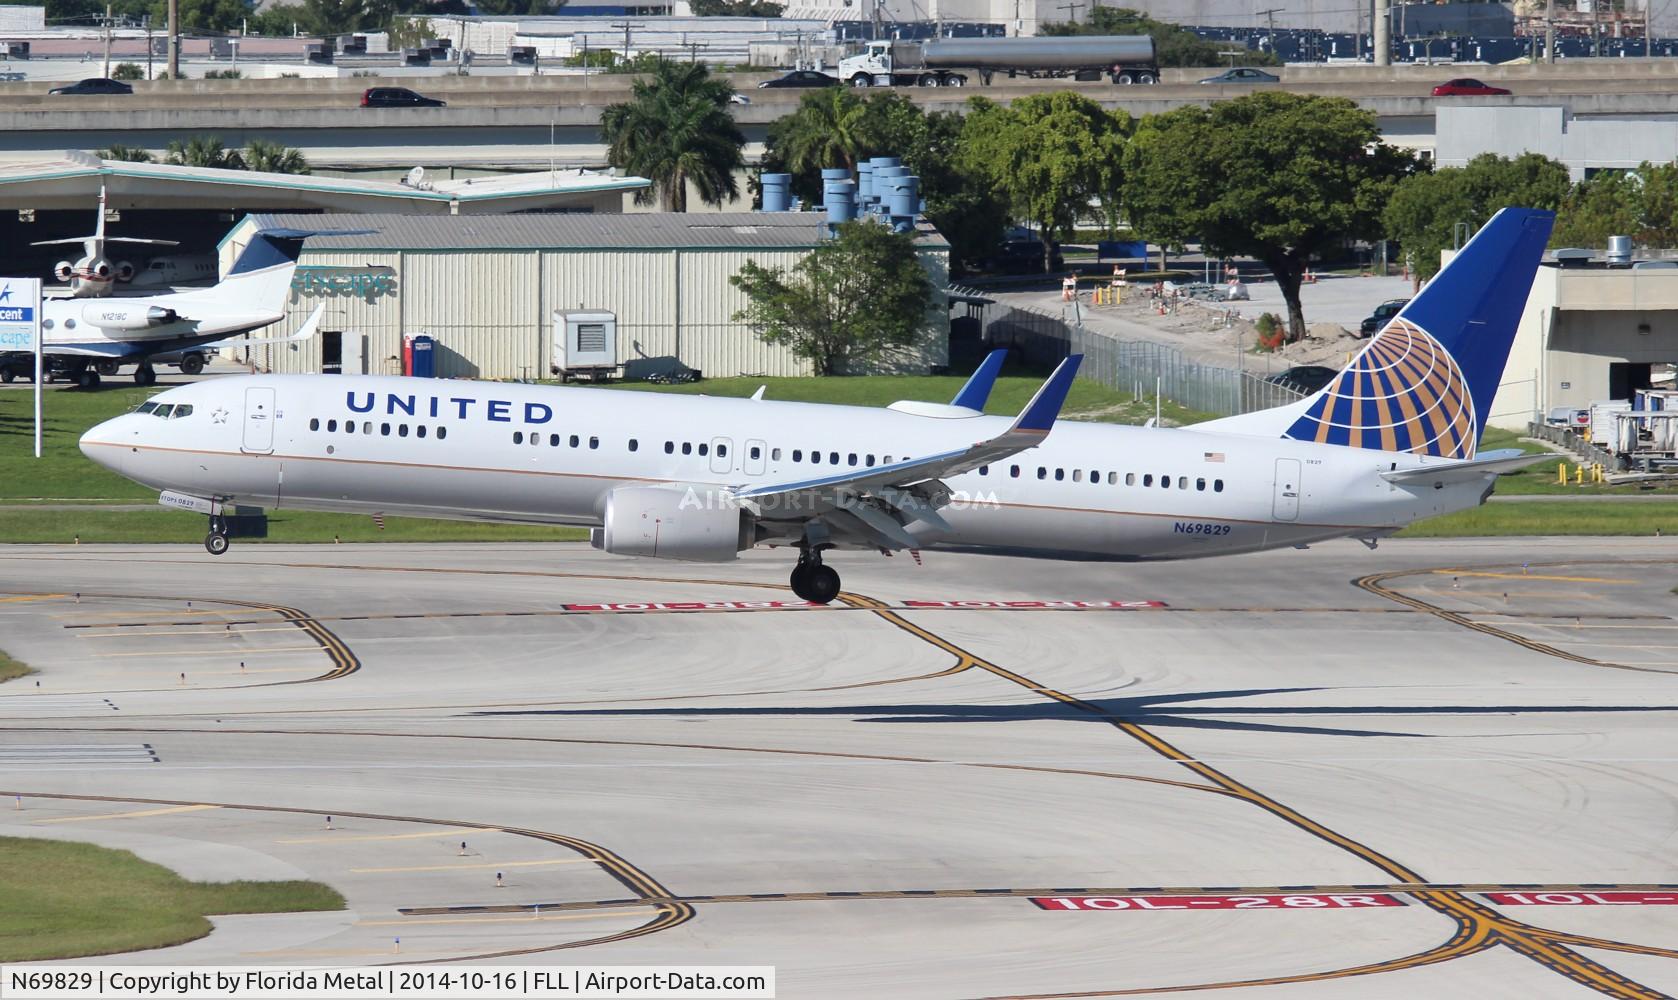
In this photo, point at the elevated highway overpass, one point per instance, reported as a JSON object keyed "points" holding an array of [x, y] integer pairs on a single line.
{"points": [[529, 121]]}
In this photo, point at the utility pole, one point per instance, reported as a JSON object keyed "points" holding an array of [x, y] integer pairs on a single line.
{"points": [[626, 26], [108, 16], [692, 47], [174, 40], [1549, 31], [148, 46], [1270, 19], [1646, 35], [1382, 30], [1071, 10]]}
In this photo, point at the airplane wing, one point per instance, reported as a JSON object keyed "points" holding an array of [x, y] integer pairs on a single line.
{"points": [[136, 239], [113, 349], [1487, 464], [876, 503], [304, 332]]}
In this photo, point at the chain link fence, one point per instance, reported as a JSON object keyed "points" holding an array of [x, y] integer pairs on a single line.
{"points": [[1132, 366]]}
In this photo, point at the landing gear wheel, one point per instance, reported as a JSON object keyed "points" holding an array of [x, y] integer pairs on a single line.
{"points": [[801, 581], [821, 584], [87, 378], [145, 375], [192, 364], [216, 543], [106, 367]]}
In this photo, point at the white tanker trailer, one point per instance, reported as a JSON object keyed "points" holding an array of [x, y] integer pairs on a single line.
{"points": [[1122, 58]]}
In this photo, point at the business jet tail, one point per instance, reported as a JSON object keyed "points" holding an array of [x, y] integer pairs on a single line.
{"points": [[1424, 385]]}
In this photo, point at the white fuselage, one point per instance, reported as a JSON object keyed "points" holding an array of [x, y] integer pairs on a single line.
{"points": [[544, 454]]}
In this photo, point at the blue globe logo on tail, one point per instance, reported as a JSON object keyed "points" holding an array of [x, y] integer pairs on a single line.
{"points": [[1404, 392]]}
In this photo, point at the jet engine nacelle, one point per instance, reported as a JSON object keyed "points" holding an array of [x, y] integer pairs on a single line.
{"points": [[125, 271], [698, 523], [63, 270], [114, 316], [100, 268]]}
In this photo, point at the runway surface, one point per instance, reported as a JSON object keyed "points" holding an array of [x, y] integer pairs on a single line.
{"points": [[1440, 768]]}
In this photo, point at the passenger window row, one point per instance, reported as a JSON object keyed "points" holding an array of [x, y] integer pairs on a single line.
{"points": [[557, 440], [1112, 478], [384, 429]]}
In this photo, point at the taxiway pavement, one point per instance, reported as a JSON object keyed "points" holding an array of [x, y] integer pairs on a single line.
{"points": [[1442, 767]]}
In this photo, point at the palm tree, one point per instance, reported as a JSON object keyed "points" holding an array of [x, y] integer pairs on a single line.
{"points": [[203, 151], [127, 154], [273, 158], [829, 129], [676, 130]]}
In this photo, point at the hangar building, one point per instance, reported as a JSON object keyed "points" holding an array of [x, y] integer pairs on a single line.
{"points": [[487, 288]]}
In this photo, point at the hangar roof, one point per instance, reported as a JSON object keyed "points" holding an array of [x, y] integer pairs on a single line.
{"points": [[73, 181], [633, 231]]}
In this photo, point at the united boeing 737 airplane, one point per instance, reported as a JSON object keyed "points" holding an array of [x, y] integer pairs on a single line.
{"points": [[1392, 440]]}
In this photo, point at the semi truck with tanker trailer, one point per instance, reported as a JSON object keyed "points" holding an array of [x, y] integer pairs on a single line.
{"points": [[1122, 58]]}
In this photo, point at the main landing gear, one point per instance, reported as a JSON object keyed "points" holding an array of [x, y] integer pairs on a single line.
{"points": [[812, 580], [216, 541]]}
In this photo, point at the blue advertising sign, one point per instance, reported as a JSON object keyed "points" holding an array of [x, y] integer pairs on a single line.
{"points": [[19, 322]]}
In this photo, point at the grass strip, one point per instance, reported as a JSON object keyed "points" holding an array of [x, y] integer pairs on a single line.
{"points": [[1538, 518], [11, 670], [69, 900], [20, 523]]}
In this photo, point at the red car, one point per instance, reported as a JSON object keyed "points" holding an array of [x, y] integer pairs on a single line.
{"points": [[1466, 88]]}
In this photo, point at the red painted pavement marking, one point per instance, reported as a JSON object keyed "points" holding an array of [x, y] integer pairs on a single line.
{"points": [[1074, 605], [1300, 902], [1583, 898], [691, 606]]}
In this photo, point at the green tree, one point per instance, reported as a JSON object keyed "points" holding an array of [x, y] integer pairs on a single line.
{"points": [[1277, 176], [203, 151], [216, 16], [1602, 206], [830, 128], [273, 158], [1429, 212], [127, 154], [280, 20], [1657, 203], [1174, 45], [1048, 157], [128, 71], [675, 130], [845, 303]]}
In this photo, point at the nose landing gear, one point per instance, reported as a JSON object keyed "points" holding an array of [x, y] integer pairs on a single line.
{"points": [[814, 581], [216, 541]]}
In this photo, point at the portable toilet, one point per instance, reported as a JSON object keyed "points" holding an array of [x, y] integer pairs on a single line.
{"points": [[423, 357]]}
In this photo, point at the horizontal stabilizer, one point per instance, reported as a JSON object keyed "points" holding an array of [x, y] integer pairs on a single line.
{"points": [[1489, 463]]}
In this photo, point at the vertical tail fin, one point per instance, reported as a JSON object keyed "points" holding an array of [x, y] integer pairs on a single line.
{"points": [[1425, 384]]}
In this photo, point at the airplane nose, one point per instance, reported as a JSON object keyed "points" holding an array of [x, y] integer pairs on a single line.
{"points": [[100, 444]]}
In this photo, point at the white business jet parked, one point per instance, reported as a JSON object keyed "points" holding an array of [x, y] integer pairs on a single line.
{"points": [[1393, 439], [85, 332]]}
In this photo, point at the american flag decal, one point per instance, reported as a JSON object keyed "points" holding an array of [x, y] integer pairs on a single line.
{"points": [[1214, 456]]}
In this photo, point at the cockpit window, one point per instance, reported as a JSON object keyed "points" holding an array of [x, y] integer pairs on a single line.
{"points": [[183, 410], [146, 408], [163, 410]]}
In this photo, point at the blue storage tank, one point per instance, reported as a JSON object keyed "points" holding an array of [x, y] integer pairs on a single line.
{"points": [[864, 182], [777, 192]]}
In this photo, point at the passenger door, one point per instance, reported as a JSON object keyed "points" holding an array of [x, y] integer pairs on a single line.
{"points": [[1286, 506], [259, 421]]}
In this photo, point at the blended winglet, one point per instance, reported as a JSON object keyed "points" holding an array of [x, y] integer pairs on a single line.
{"points": [[1039, 415], [976, 393]]}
